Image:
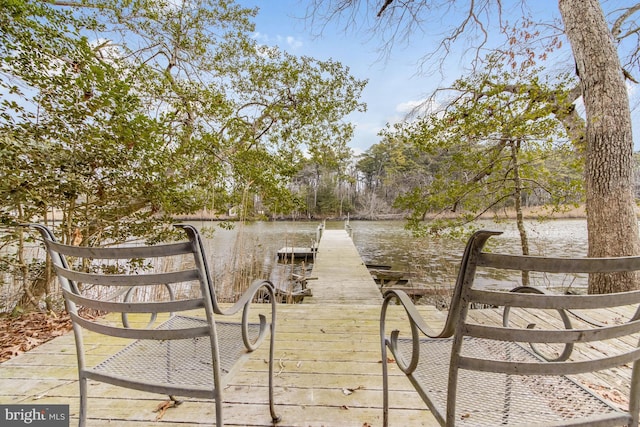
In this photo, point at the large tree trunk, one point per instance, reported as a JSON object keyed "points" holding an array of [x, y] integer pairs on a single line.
{"points": [[611, 214]]}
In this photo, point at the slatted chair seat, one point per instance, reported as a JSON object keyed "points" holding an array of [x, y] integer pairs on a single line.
{"points": [[518, 372], [193, 352]]}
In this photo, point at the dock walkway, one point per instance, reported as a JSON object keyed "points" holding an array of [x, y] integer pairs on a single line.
{"points": [[339, 274], [328, 371]]}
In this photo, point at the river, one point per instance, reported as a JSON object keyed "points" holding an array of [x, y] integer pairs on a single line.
{"points": [[428, 261]]}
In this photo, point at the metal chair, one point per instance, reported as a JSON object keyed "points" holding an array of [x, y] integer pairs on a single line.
{"points": [[186, 355], [512, 370]]}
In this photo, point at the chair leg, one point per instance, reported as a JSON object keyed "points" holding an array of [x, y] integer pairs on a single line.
{"points": [[218, 398], [82, 422], [385, 385], [274, 417]]}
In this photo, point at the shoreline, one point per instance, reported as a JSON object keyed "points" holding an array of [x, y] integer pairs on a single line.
{"points": [[529, 213]]}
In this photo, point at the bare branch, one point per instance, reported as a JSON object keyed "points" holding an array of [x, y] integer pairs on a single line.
{"points": [[616, 29], [384, 6], [396, 22]]}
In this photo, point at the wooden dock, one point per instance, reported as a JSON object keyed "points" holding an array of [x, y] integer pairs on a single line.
{"points": [[340, 275], [328, 370], [328, 373], [288, 253]]}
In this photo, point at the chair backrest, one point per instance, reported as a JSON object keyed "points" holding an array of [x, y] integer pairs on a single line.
{"points": [[156, 280], [544, 332]]}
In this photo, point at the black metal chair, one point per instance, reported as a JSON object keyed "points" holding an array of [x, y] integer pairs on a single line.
{"points": [[187, 354]]}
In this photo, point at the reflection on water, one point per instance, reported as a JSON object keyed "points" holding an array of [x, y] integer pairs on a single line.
{"points": [[431, 262]]}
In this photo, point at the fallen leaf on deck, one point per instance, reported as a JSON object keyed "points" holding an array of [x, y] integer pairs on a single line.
{"points": [[163, 406], [19, 334], [610, 394], [348, 391]]}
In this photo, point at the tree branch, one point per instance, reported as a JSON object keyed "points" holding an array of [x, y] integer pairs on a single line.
{"points": [[616, 28], [384, 6]]}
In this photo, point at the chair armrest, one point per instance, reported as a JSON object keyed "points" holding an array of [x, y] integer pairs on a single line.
{"points": [[418, 327], [568, 348], [152, 316], [244, 304]]}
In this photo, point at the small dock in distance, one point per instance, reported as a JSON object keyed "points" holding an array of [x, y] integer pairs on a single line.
{"points": [[293, 253], [297, 253]]}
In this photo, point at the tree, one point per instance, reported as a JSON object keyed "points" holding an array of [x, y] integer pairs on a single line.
{"points": [[120, 115], [611, 209], [324, 180], [389, 169], [610, 205], [493, 149], [253, 109]]}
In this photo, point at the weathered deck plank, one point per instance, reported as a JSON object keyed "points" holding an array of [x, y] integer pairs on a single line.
{"points": [[328, 369], [328, 373], [342, 276]]}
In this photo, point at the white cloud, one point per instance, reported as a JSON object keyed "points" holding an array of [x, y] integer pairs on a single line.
{"points": [[417, 107], [365, 134], [293, 42], [261, 38], [289, 42], [409, 106]]}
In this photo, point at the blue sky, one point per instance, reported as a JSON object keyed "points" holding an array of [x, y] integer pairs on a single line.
{"points": [[394, 85]]}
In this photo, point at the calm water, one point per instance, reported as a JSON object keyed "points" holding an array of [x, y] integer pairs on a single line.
{"points": [[432, 262]]}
